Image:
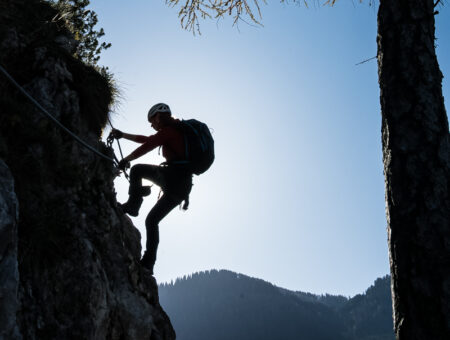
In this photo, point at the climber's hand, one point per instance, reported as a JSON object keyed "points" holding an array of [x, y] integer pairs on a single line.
{"points": [[123, 164], [117, 134]]}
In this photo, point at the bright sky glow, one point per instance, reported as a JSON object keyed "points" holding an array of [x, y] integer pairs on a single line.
{"points": [[296, 195]]}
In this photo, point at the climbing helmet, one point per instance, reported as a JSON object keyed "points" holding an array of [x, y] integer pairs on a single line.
{"points": [[160, 107]]}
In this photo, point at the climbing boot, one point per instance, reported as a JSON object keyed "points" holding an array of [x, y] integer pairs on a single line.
{"points": [[132, 206], [147, 262]]}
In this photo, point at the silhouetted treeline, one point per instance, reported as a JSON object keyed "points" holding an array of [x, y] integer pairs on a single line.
{"points": [[223, 305], [369, 315]]}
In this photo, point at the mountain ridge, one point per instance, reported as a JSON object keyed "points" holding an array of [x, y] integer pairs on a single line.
{"points": [[258, 309]]}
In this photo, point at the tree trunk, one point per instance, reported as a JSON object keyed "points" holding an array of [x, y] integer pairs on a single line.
{"points": [[416, 146]]}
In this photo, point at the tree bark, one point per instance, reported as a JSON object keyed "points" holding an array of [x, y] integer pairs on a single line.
{"points": [[416, 144]]}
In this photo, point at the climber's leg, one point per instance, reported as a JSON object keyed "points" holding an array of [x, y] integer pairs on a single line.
{"points": [[164, 205], [136, 190], [139, 172]]}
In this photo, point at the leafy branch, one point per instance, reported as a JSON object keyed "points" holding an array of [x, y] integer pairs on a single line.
{"points": [[81, 23], [192, 10]]}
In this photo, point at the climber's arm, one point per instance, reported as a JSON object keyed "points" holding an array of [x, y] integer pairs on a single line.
{"points": [[151, 143], [135, 138]]}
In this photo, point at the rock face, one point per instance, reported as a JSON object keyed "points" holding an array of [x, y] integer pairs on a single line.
{"points": [[69, 258], [9, 274]]}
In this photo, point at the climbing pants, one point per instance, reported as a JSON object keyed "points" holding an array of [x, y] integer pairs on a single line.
{"points": [[176, 184]]}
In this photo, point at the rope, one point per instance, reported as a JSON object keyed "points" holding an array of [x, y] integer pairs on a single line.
{"points": [[120, 149], [118, 143], [109, 142], [83, 143]]}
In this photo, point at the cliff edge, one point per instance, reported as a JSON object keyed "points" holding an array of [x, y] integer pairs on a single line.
{"points": [[69, 258]]}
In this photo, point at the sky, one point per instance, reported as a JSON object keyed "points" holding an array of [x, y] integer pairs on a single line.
{"points": [[296, 194]]}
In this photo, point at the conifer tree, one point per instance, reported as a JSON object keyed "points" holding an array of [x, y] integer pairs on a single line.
{"points": [[82, 21]]}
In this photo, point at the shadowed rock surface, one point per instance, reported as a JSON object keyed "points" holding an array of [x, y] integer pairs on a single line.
{"points": [[69, 258]]}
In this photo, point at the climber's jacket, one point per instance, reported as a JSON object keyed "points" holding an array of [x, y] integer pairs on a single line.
{"points": [[170, 138]]}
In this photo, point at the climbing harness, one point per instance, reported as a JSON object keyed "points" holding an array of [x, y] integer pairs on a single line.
{"points": [[54, 120]]}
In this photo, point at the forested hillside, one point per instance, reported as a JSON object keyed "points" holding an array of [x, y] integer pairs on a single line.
{"points": [[226, 305]]}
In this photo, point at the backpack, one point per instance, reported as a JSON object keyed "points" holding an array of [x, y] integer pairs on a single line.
{"points": [[199, 145]]}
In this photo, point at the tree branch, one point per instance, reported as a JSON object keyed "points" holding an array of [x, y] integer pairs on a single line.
{"points": [[192, 10], [365, 61]]}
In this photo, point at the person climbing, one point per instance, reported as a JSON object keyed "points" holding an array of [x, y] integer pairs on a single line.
{"points": [[188, 149]]}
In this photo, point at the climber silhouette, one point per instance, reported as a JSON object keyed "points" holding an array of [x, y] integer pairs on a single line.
{"points": [[173, 176]]}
